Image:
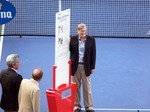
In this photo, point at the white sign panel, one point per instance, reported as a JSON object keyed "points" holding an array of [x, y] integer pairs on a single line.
{"points": [[1, 39], [62, 32]]}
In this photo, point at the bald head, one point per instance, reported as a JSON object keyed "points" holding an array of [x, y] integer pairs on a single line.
{"points": [[37, 74]]}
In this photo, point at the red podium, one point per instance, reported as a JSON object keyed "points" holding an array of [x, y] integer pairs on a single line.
{"points": [[61, 99]]}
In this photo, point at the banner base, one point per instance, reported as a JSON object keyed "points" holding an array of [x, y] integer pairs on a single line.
{"points": [[61, 99]]}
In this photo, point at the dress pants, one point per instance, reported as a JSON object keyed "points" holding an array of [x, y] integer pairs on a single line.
{"points": [[79, 78]]}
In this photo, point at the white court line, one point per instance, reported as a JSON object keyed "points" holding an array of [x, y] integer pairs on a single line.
{"points": [[1, 40], [119, 109]]}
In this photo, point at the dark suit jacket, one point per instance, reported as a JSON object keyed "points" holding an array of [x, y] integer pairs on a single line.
{"points": [[10, 81], [89, 55]]}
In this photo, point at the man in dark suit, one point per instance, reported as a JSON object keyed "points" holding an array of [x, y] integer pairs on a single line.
{"points": [[10, 81], [83, 57]]}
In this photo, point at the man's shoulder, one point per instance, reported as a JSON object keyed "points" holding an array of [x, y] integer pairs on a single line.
{"points": [[4, 71], [25, 82], [90, 38], [74, 38]]}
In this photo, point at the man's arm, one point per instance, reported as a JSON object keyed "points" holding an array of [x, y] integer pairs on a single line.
{"points": [[36, 101]]}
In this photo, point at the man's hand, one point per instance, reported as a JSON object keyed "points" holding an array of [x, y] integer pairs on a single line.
{"points": [[92, 71]]}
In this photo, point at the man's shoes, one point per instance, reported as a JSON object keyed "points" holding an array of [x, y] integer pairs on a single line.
{"points": [[77, 110], [90, 111]]}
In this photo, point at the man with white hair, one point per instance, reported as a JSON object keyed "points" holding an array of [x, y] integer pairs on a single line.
{"points": [[83, 57], [10, 81]]}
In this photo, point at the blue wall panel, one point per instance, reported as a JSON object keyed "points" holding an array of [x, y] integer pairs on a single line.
{"points": [[119, 18]]}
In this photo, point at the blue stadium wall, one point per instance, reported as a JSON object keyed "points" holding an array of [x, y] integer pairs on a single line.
{"points": [[119, 18]]}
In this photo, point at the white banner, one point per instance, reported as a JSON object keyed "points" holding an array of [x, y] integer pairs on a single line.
{"points": [[1, 40], [62, 32]]}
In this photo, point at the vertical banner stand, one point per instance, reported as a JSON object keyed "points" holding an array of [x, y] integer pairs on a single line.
{"points": [[61, 96], [61, 99], [1, 40]]}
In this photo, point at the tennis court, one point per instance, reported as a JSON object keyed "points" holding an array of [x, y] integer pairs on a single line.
{"points": [[121, 79]]}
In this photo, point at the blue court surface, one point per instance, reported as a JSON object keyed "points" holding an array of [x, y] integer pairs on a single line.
{"points": [[121, 82]]}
